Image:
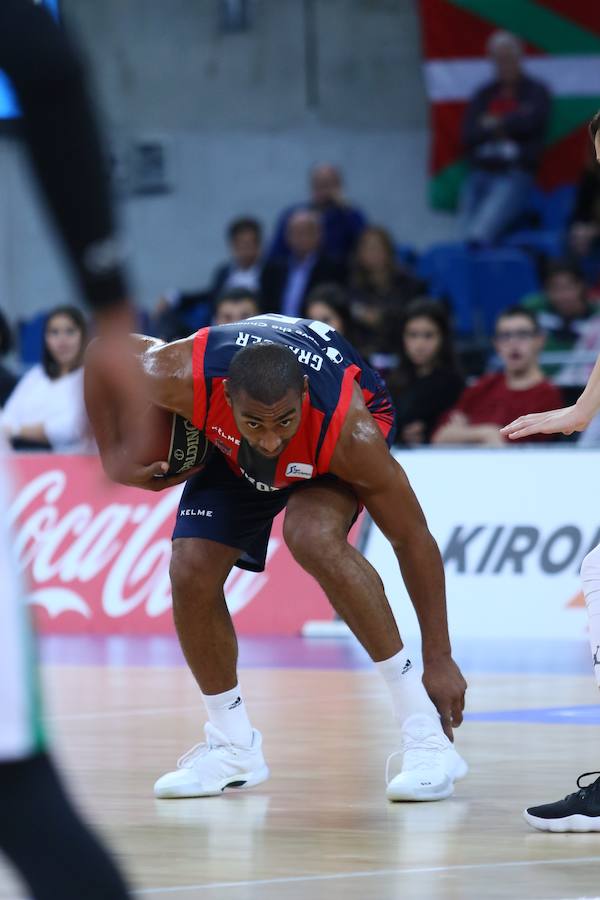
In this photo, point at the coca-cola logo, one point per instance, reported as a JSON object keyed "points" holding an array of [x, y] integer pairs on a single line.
{"points": [[109, 553]]}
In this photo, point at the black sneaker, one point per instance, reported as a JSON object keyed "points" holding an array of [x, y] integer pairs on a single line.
{"points": [[577, 812]]}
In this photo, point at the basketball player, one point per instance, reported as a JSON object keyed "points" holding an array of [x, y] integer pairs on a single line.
{"points": [[579, 811], [296, 420], [40, 832]]}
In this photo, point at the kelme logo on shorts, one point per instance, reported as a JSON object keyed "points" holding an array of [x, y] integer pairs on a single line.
{"points": [[299, 470]]}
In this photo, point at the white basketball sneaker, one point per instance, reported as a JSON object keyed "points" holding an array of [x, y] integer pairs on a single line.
{"points": [[213, 767], [430, 764]]}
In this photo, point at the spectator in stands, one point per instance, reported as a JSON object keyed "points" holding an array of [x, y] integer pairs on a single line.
{"points": [[563, 309], [178, 313], [499, 398], [342, 223], [247, 267], [328, 303], [428, 380], [234, 305], [46, 409], [8, 379], [307, 265], [503, 132], [380, 288], [584, 230]]}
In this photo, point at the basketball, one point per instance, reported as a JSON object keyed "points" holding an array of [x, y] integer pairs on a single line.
{"points": [[164, 435]]}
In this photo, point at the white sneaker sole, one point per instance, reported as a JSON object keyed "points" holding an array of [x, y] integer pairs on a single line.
{"points": [[576, 823], [419, 793], [239, 782]]}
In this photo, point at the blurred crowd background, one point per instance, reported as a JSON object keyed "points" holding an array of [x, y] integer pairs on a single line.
{"points": [[417, 174]]}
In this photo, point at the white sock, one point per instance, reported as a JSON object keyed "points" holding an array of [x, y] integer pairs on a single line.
{"points": [[406, 688], [227, 712], [590, 577]]}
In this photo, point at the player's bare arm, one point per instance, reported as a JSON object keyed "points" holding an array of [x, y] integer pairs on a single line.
{"points": [[362, 459], [118, 414], [561, 421]]}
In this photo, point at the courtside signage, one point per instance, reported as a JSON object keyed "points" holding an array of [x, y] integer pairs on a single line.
{"points": [[513, 527], [95, 557]]}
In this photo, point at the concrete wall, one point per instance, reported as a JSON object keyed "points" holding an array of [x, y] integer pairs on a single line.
{"points": [[242, 116]]}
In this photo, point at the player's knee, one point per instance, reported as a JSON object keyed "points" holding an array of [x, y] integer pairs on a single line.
{"points": [[313, 544], [189, 570], [590, 567]]}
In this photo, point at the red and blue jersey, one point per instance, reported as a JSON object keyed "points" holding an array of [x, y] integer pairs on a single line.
{"points": [[333, 367]]}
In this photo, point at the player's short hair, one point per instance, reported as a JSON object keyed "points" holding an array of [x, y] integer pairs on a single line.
{"points": [[266, 372], [594, 125], [516, 310]]}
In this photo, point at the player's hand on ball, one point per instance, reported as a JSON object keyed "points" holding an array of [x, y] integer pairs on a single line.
{"points": [[150, 478], [556, 421], [446, 687]]}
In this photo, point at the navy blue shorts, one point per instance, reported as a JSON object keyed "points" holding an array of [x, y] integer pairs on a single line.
{"points": [[219, 506]]}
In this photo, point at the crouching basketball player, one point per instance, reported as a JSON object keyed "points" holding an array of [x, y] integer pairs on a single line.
{"points": [[296, 420]]}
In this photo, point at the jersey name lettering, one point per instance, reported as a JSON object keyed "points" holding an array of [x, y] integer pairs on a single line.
{"points": [[313, 360]]}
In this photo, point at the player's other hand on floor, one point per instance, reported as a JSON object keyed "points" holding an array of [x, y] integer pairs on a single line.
{"points": [[556, 421], [446, 687]]}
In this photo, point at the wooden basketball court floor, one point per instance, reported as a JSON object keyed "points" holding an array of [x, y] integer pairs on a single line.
{"points": [[122, 712]]}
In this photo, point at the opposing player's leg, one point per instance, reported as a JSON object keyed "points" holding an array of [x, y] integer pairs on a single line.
{"points": [[579, 811], [318, 518], [40, 832], [221, 522], [46, 840]]}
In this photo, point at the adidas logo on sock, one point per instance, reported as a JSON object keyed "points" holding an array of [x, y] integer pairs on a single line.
{"points": [[235, 703], [407, 667]]}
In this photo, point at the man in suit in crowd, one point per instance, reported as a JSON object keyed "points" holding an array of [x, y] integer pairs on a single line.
{"points": [[307, 265], [178, 313], [342, 223]]}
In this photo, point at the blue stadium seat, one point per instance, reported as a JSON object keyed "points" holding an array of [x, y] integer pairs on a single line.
{"points": [[557, 207], [546, 243], [499, 278], [478, 283], [590, 266], [407, 255], [446, 268], [553, 209], [30, 336]]}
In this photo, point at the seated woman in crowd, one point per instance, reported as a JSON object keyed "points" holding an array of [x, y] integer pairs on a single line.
{"points": [[428, 380], [380, 288], [328, 302], [46, 409]]}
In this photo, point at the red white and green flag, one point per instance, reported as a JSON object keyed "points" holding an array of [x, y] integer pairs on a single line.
{"points": [[562, 48]]}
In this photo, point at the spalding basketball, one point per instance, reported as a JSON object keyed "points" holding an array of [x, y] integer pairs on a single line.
{"points": [[163, 435]]}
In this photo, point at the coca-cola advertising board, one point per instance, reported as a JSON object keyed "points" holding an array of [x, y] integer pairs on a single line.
{"points": [[95, 557]]}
